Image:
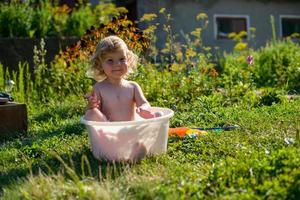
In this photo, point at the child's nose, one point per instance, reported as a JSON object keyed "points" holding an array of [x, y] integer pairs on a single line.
{"points": [[114, 63], [118, 63]]}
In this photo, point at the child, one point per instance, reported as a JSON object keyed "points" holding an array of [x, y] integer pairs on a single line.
{"points": [[114, 98]]}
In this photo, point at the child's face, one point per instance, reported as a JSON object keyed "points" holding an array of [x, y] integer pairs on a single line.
{"points": [[115, 64]]}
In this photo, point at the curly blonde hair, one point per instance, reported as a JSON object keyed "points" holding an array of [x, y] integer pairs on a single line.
{"points": [[108, 45]]}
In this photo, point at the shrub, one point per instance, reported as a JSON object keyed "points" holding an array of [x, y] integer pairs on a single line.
{"points": [[278, 65], [43, 20], [15, 19], [46, 19], [80, 20]]}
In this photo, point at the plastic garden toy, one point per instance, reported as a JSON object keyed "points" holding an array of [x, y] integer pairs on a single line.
{"points": [[193, 132]]}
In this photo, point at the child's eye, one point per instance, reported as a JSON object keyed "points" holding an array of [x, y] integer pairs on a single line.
{"points": [[122, 60], [110, 61]]}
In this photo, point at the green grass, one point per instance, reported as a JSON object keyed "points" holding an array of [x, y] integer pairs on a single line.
{"points": [[257, 161]]}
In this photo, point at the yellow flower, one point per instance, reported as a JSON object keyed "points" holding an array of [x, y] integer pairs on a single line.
{"points": [[240, 46], [176, 67], [201, 16], [196, 32], [148, 17], [150, 29], [190, 53], [242, 34], [162, 10], [232, 35]]}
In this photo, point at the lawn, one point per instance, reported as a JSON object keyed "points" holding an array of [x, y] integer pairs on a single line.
{"points": [[260, 160]]}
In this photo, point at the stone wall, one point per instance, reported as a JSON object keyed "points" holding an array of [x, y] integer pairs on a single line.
{"points": [[15, 50]]}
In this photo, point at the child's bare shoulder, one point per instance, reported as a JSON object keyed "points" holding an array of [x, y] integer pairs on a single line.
{"points": [[100, 85], [135, 86], [133, 83]]}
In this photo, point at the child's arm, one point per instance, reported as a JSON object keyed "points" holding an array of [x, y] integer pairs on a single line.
{"points": [[93, 113], [143, 107], [93, 100]]}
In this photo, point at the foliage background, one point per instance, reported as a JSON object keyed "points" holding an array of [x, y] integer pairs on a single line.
{"points": [[258, 161], [45, 19]]}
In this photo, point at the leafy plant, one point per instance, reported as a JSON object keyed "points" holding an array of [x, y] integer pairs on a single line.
{"points": [[15, 19], [80, 20], [44, 18], [269, 98], [277, 65]]}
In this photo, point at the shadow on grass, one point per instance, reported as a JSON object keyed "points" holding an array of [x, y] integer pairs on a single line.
{"points": [[59, 113], [35, 152], [10, 136], [31, 147], [69, 129], [64, 112], [28, 138], [82, 163]]}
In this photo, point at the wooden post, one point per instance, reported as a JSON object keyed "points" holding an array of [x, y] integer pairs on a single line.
{"points": [[13, 119]]}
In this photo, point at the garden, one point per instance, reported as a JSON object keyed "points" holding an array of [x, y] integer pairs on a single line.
{"points": [[256, 90]]}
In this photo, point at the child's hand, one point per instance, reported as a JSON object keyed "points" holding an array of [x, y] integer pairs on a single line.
{"points": [[93, 101], [145, 112]]}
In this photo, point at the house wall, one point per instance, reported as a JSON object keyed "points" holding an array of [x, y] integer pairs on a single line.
{"points": [[184, 13]]}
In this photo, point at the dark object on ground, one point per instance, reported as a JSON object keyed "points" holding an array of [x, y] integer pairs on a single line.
{"points": [[224, 128], [13, 120], [3, 100], [6, 95]]}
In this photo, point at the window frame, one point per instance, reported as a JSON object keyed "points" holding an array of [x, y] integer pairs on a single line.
{"points": [[280, 23], [246, 17]]}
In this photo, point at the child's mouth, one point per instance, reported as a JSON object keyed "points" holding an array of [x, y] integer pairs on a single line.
{"points": [[117, 70]]}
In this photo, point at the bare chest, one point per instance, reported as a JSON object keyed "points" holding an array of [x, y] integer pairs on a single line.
{"points": [[117, 98]]}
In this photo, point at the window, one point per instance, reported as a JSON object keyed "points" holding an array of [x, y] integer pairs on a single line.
{"points": [[226, 24], [290, 26]]}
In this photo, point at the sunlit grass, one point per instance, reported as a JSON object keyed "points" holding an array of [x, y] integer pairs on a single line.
{"points": [[54, 160]]}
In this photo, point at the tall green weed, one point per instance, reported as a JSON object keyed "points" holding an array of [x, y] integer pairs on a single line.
{"points": [[18, 83]]}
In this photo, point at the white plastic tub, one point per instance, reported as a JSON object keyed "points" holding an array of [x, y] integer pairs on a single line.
{"points": [[129, 140]]}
